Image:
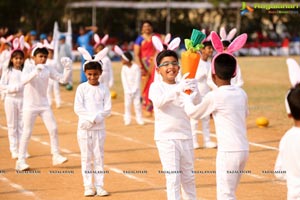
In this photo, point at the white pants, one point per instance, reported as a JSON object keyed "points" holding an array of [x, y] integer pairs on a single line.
{"points": [[29, 118], [136, 100], [13, 112], [91, 144], [177, 158], [205, 128], [53, 86], [229, 167]]}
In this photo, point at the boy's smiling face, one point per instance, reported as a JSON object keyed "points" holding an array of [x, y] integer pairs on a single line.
{"points": [[168, 68]]}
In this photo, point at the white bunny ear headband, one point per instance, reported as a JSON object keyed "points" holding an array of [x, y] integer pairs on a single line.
{"points": [[159, 46], [294, 75], [48, 45], [98, 40], [225, 37], [234, 46], [6, 40], [120, 52], [37, 46], [97, 58]]}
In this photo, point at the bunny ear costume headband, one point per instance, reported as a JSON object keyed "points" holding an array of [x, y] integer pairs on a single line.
{"points": [[294, 75], [159, 46], [6, 40], [225, 37], [38, 46], [234, 46], [120, 52], [48, 45], [97, 58], [98, 40], [19, 44]]}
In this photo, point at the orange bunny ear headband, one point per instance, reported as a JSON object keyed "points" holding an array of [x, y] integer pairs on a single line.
{"points": [[294, 75], [97, 58], [234, 46]]}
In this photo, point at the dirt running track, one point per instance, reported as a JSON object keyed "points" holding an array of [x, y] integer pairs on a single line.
{"points": [[131, 159]]}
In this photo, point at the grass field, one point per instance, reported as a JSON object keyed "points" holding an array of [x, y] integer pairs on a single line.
{"points": [[131, 148]]}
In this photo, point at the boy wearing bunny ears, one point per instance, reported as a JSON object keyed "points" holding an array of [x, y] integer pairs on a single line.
{"points": [[36, 77], [173, 134], [287, 164], [92, 104], [229, 106]]}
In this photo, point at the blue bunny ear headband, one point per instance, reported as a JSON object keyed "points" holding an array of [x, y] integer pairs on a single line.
{"points": [[294, 75], [97, 58]]}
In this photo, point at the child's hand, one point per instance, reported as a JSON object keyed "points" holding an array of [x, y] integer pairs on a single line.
{"points": [[99, 119], [66, 62], [85, 125]]}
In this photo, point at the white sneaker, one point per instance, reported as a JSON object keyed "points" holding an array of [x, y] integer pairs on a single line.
{"points": [[140, 122], [127, 123], [21, 165], [27, 155], [88, 192], [210, 145], [101, 192], [58, 159], [196, 145]]}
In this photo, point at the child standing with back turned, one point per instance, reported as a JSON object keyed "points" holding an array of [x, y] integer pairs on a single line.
{"points": [[173, 135], [287, 165], [229, 106], [92, 105]]}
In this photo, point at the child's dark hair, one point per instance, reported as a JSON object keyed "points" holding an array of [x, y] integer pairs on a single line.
{"points": [[293, 99], [225, 43], [14, 54], [207, 43], [225, 66], [93, 65], [128, 55], [43, 50], [165, 53]]}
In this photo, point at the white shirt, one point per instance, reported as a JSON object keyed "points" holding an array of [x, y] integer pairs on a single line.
{"points": [[201, 76], [229, 106], [171, 121], [107, 77], [91, 101], [35, 90], [131, 78], [288, 160]]}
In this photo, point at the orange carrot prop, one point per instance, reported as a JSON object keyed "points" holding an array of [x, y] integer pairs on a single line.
{"points": [[191, 57]]}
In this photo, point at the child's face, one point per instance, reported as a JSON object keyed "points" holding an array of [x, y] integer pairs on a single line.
{"points": [[40, 58], [207, 52], [92, 76], [168, 68], [17, 61]]}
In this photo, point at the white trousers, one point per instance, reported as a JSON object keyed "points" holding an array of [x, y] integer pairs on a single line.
{"points": [[53, 87], [229, 169], [91, 144], [13, 112], [177, 158], [29, 118], [205, 128], [134, 99]]}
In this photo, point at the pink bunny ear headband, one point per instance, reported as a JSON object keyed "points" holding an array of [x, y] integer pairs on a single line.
{"points": [[19, 44], [208, 38], [98, 40], [7, 40], [120, 52], [97, 58], [236, 44], [294, 75]]}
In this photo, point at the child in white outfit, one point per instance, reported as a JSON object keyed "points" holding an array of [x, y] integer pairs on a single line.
{"points": [[131, 81], [12, 86], [287, 165], [173, 134], [36, 103], [229, 106], [92, 104]]}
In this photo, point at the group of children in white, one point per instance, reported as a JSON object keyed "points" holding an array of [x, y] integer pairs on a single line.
{"points": [[216, 90]]}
